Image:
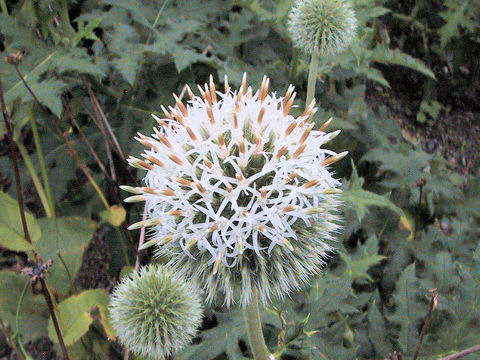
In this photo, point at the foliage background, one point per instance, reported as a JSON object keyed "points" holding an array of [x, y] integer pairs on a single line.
{"points": [[405, 95]]}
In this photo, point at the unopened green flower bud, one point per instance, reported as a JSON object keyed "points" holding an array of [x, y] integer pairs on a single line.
{"points": [[155, 312], [325, 27]]}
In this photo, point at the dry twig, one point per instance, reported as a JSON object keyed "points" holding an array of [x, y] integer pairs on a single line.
{"points": [[426, 324]]}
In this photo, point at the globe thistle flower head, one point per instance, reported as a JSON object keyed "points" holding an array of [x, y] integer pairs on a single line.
{"points": [[323, 26], [239, 193], [155, 312]]}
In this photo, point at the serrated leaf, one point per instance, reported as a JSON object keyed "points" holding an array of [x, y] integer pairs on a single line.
{"points": [[359, 200], [408, 308], [69, 236], [397, 57], [223, 338], [11, 230], [357, 264], [77, 313], [377, 329]]}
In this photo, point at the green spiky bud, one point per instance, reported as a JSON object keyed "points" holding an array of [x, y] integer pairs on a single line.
{"points": [[155, 312], [325, 27]]}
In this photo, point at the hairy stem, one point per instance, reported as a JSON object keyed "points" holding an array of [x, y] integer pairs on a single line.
{"points": [[312, 77], [36, 180], [254, 329]]}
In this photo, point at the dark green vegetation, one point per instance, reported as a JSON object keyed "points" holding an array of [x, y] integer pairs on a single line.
{"points": [[411, 216]]}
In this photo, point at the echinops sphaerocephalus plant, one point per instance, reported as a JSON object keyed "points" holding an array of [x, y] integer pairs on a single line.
{"points": [[239, 193], [155, 312]]}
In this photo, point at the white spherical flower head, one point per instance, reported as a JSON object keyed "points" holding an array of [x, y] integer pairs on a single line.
{"points": [[323, 26], [239, 194]]}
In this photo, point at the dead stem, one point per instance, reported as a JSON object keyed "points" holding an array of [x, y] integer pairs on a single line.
{"points": [[462, 353], [85, 139], [102, 116], [426, 324]]}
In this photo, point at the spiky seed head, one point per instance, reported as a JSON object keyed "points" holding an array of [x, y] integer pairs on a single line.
{"points": [[155, 312], [323, 26], [230, 194]]}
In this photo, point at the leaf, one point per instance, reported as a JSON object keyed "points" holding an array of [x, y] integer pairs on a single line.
{"points": [[385, 55], [11, 230], [222, 338], [359, 199], [115, 215], [33, 313], [377, 329], [366, 256], [408, 308], [78, 312], [68, 236]]}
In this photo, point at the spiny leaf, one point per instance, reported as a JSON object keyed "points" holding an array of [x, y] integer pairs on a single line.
{"points": [[408, 308], [359, 199]]}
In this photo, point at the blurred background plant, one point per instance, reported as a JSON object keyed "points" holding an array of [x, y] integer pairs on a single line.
{"points": [[81, 77]]}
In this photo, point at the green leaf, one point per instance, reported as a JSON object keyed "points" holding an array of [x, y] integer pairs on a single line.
{"points": [[33, 313], [387, 56], [377, 329], [409, 309], [359, 200], [11, 230], [67, 236], [78, 312], [222, 338], [366, 256]]}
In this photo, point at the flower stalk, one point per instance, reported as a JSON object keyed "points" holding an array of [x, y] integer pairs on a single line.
{"points": [[312, 76], [253, 323]]}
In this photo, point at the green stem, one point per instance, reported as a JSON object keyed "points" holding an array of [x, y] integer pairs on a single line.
{"points": [[43, 167], [35, 179], [17, 316], [3, 5], [254, 330], [123, 246], [312, 77]]}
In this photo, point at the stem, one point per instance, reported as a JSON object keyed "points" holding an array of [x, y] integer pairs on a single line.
{"points": [[463, 353], [426, 324], [13, 158], [17, 315], [43, 167], [11, 341], [36, 180], [84, 137], [3, 5], [48, 298], [312, 77], [254, 329], [81, 165]]}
